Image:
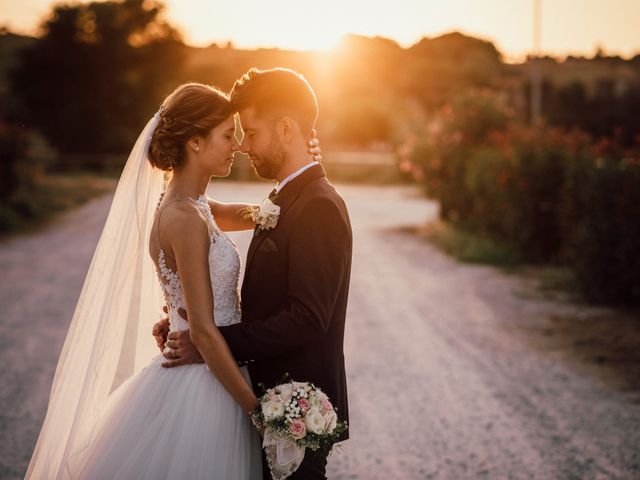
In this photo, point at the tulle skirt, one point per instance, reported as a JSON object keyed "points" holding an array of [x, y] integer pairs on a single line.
{"points": [[177, 423]]}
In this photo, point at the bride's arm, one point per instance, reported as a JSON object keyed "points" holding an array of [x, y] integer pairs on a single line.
{"points": [[192, 259], [229, 216]]}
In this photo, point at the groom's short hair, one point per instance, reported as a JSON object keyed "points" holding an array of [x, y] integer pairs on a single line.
{"points": [[275, 93]]}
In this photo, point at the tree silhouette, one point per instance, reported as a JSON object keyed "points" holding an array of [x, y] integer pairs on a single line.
{"points": [[98, 72]]}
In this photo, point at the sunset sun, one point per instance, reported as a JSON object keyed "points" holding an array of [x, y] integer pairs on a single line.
{"points": [[306, 25]]}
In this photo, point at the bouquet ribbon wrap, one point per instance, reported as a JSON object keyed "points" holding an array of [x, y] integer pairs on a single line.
{"points": [[283, 455]]}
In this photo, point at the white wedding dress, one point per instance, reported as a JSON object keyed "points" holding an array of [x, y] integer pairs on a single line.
{"points": [[178, 423]]}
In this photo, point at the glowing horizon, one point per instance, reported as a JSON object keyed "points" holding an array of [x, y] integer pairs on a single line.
{"points": [[569, 27]]}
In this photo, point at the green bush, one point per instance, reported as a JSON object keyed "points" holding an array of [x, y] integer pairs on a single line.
{"points": [[551, 195], [604, 246]]}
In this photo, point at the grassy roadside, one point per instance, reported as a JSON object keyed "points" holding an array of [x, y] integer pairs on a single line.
{"points": [[54, 194], [602, 342], [469, 247]]}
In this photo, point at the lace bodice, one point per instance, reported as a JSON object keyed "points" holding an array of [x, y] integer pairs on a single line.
{"points": [[224, 269]]}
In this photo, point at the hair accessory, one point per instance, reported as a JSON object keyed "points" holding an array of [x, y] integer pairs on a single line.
{"points": [[159, 112]]}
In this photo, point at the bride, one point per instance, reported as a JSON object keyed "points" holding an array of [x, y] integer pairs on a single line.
{"points": [[114, 412]]}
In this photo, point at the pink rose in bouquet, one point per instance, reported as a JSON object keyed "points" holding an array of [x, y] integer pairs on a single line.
{"points": [[327, 406], [304, 405], [298, 429]]}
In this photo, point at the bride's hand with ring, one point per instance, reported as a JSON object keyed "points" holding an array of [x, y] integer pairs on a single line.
{"points": [[182, 350]]}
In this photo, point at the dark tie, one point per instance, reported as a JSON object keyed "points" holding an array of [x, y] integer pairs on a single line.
{"points": [[273, 194]]}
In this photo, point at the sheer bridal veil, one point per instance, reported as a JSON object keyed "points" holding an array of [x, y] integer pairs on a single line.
{"points": [[109, 338]]}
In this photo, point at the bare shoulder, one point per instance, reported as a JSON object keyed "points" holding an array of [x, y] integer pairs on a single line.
{"points": [[183, 221]]}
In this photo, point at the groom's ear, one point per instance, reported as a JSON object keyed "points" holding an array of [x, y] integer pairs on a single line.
{"points": [[286, 128]]}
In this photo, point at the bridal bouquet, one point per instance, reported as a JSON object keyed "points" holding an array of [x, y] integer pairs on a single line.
{"points": [[295, 416]]}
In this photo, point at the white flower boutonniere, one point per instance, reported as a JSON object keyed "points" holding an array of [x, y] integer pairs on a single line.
{"points": [[265, 215]]}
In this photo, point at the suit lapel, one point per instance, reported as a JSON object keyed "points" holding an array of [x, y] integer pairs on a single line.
{"points": [[290, 192], [294, 188]]}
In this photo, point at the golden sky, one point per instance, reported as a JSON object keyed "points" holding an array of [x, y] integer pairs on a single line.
{"points": [[568, 26]]}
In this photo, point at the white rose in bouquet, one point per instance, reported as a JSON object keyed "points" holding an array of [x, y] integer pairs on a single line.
{"points": [[286, 391], [330, 421], [314, 421], [320, 396], [273, 409]]}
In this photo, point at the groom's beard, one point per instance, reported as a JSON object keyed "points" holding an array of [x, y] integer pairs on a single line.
{"points": [[269, 164]]}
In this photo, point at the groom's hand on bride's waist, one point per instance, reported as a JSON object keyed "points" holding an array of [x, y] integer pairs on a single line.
{"points": [[160, 331], [180, 350]]}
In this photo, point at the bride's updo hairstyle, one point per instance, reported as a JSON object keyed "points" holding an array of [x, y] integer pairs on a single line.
{"points": [[192, 109]]}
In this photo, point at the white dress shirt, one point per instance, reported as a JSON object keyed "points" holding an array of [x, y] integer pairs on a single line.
{"points": [[294, 175]]}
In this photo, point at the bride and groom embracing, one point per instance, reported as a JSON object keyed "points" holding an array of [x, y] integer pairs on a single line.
{"points": [[116, 410]]}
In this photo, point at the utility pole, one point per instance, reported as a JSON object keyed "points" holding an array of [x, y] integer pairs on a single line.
{"points": [[536, 74]]}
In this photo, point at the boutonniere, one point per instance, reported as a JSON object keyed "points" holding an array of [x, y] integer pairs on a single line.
{"points": [[264, 215]]}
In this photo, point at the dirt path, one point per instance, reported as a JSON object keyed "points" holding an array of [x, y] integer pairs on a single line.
{"points": [[442, 381]]}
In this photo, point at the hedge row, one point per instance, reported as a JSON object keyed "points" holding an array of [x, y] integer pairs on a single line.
{"points": [[556, 196]]}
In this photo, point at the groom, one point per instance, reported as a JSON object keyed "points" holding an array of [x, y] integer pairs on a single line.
{"points": [[296, 283]]}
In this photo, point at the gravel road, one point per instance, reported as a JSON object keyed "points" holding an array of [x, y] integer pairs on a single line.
{"points": [[442, 383]]}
